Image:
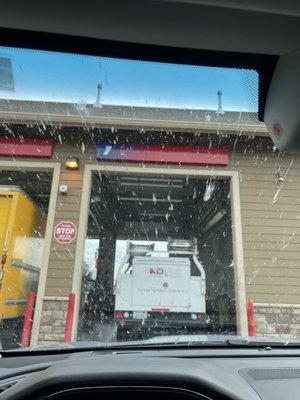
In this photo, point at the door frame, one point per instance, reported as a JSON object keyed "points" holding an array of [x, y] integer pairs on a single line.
{"points": [[38, 166], [173, 171]]}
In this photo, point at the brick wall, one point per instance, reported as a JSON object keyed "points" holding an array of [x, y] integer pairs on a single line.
{"points": [[281, 321], [53, 318]]}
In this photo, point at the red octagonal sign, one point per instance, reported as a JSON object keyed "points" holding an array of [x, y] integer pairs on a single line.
{"points": [[65, 232]]}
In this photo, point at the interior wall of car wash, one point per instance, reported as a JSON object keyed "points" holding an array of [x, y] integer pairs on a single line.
{"points": [[166, 215]]}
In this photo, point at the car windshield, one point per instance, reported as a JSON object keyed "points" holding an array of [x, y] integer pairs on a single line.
{"points": [[141, 202]]}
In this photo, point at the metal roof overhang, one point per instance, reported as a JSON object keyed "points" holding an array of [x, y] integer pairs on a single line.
{"points": [[16, 117]]}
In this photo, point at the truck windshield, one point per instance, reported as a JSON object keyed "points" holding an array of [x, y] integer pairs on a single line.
{"points": [[141, 201]]}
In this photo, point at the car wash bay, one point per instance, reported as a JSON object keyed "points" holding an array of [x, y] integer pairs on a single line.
{"points": [[24, 203], [151, 209]]}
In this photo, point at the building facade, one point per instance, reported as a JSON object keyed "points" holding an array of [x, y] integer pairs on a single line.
{"points": [[263, 198]]}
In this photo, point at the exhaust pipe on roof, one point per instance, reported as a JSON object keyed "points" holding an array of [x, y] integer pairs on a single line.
{"points": [[220, 108], [98, 102]]}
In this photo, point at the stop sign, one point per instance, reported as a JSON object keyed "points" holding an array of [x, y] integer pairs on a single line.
{"points": [[65, 232]]}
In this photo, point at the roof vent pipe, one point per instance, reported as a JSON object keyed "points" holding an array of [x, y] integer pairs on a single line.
{"points": [[98, 102], [220, 108]]}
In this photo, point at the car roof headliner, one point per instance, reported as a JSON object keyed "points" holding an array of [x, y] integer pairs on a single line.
{"points": [[255, 26]]}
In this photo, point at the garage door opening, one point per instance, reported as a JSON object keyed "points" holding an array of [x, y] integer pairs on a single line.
{"points": [[158, 258], [24, 202]]}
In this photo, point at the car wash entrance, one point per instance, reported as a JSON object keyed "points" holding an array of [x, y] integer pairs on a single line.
{"points": [[24, 203], [159, 256]]}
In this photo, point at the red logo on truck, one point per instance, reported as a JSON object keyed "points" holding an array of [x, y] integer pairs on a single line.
{"points": [[156, 271], [65, 232]]}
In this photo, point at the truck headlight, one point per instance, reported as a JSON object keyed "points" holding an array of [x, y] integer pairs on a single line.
{"points": [[194, 316]]}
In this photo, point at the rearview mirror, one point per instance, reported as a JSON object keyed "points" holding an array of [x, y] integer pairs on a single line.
{"points": [[282, 109]]}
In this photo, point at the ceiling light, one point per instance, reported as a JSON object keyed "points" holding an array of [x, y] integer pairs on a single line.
{"points": [[143, 179], [142, 199], [155, 185], [146, 214], [216, 218], [181, 243]]}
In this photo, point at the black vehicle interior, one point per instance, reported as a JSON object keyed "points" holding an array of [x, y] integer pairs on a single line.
{"points": [[263, 35], [224, 373]]}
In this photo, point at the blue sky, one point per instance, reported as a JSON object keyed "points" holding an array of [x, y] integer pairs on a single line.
{"points": [[49, 76]]}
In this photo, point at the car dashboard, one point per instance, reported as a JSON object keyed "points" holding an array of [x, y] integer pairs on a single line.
{"points": [[183, 374]]}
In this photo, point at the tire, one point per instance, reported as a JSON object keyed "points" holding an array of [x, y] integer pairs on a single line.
{"points": [[11, 333]]}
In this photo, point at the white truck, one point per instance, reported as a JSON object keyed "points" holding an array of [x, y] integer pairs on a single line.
{"points": [[156, 290]]}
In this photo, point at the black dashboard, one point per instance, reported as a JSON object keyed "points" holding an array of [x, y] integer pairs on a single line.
{"points": [[179, 374]]}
